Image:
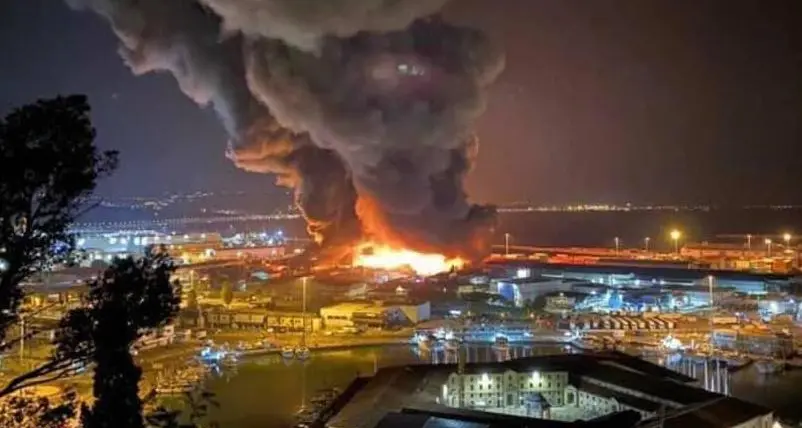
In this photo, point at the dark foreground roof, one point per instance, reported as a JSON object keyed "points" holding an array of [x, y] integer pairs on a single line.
{"points": [[722, 412], [409, 418]]}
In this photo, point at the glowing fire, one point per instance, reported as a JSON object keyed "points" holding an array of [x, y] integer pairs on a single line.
{"points": [[385, 257]]}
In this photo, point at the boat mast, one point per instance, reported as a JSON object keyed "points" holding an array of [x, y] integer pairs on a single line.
{"points": [[303, 312]]}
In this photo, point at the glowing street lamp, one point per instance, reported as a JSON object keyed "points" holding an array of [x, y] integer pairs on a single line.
{"points": [[749, 242], [675, 235], [646, 243], [768, 246], [617, 244], [787, 239], [506, 244]]}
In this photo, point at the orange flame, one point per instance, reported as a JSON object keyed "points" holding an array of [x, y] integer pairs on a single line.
{"points": [[378, 256]]}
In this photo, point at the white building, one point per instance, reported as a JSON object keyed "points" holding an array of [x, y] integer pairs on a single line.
{"points": [[375, 315], [584, 388]]}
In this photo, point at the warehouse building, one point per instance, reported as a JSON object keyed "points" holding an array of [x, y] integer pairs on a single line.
{"points": [[599, 390], [374, 314]]}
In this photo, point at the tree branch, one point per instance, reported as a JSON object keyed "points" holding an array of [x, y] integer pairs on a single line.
{"points": [[8, 345], [34, 377]]}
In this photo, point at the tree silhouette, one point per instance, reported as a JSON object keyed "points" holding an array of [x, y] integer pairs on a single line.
{"points": [[37, 412], [132, 297], [49, 167]]}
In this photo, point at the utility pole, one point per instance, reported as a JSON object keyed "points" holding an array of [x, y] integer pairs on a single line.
{"points": [[303, 311]]}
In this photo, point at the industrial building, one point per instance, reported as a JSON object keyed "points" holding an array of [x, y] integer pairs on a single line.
{"points": [[602, 390], [254, 319], [374, 314], [647, 276]]}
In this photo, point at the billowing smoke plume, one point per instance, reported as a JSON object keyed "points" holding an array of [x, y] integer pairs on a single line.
{"points": [[365, 107]]}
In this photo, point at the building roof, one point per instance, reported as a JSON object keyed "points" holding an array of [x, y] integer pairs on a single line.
{"points": [[390, 390], [645, 271], [722, 412], [486, 419], [653, 386], [625, 399], [609, 363], [351, 307]]}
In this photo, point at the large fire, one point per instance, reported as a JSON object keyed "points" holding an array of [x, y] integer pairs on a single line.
{"points": [[379, 256]]}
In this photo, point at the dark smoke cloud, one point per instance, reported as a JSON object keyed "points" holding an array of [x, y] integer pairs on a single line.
{"points": [[304, 23], [361, 105], [185, 38]]}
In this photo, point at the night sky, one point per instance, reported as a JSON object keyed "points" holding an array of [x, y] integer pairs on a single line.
{"points": [[602, 101]]}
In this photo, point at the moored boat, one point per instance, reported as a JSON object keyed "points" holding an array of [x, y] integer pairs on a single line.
{"points": [[501, 344], [426, 343], [287, 351], [452, 345], [302, 352], [767, 366]]}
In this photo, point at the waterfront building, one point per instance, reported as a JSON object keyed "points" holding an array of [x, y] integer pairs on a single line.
{"points": [[521, 291], [600, 390], [255, 319], [629, 276], [373, 315], [252, 253]]}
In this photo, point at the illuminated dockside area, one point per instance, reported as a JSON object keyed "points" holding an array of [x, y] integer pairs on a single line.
{"points": [[600, 390]]}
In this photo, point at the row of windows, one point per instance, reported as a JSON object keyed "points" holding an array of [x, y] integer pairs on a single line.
{"points": [[493, 399], [511, 377], [523, 385]]}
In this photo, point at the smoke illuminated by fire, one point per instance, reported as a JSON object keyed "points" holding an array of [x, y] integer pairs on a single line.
{"points": [[378, 256]]}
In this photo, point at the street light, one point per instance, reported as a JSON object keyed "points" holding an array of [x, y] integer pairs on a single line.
{"points": [[617, 243], [787, 239], [506, 244], [675, 235], [768, 246], [646, 243], [749, 242]]}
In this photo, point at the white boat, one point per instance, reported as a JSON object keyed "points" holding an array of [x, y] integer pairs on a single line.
{"points": [[425, 343], [769, 366], [302, 352], [287, 351], [452, 345], [586, 344], [501, 344]]}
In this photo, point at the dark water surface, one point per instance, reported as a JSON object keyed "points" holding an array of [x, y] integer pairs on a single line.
{"points": [[600, 228]]}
